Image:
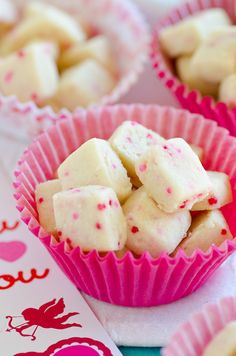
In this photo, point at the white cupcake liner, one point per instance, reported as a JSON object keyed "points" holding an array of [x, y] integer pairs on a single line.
{"points": [[121, 21]]}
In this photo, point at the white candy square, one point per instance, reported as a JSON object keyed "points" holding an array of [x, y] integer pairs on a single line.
{"points": [[30, 74], [95, 163], [151, 229], [191, 78], [173, 175], [184, 37], [84, 84], [130, 140], [214, 60], [90, 217], [227, 92], [97, 48], [44, 200], [207, 228], [220, 194]]}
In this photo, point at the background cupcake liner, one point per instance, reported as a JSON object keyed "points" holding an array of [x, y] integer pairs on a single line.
{"points": [[128, 281], [124, 26], [193, 336], [192, 99]]}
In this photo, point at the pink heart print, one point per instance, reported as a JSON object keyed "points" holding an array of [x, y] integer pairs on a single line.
{"points": [[12, 251]]}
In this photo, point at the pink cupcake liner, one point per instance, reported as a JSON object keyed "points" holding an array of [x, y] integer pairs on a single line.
{"points": [[124, 26], [192, 100], [193, 336], [128, 281]]}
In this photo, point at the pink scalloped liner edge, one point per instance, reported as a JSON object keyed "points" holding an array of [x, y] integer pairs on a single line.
{"points": [[192, 100], [192, 336], [82, 268]]}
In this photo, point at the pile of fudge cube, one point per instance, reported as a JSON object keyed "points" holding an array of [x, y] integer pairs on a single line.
{"points": [[135, 192], [203, 48]]}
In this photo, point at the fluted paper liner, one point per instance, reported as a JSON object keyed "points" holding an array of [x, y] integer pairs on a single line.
{"points": [[193, 336], [192, 100], [127, 30], [128, 281]]}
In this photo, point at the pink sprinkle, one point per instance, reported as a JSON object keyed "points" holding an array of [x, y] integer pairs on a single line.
{"points": [[98, 226], [113, 166], [142, 167], [8, 77], [75, 216], [41, 200], [183, 205], [223, 232], [66, 174], [69, 242], [212, 201], [21, 53], [134, 229], [133, 123], [165, 147], [77, 190], [34, 96], [149, 136], [129, 139], [169, 190], [110, 202], [66, 45], [101, 206], [115, 204]]}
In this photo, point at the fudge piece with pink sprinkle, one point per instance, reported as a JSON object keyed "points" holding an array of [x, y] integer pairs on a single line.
{"points": [[220, 194], [173, 175], [30, 74], [97, 48], [95, 163], [43, 21], [90, 217], [84, 84], [151, 229], [207, 228], [44, 200], [130, 140]]}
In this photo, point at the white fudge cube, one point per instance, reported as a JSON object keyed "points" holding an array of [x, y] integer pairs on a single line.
{"points": [[44, 200], [90, 217], [30, 74], [227, 92], [188, 76], [84, 84], [130, 140], [173, 175], [49, 23], [48, 47], [198, 151], [151, 229], [95, 163], [224, 343], [215, 60], [97, 48], [220, 194], [207, 228], [185, 36]]}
